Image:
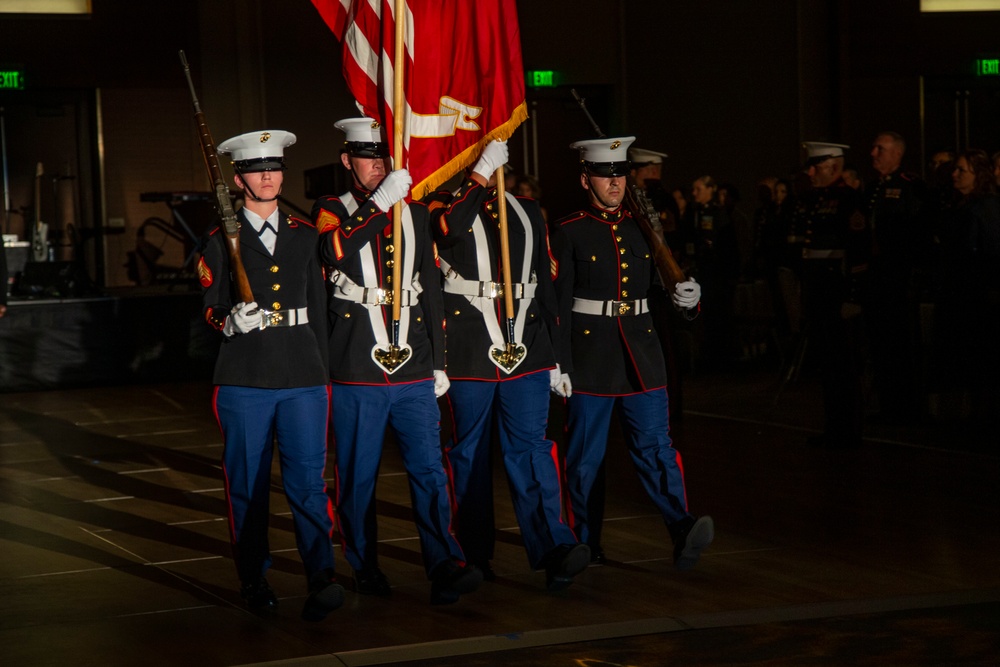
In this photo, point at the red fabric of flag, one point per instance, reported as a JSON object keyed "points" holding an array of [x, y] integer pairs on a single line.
{"points": [[464, 81]]}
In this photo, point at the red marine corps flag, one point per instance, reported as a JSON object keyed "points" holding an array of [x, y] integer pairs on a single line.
{"points": [[463, 78]]}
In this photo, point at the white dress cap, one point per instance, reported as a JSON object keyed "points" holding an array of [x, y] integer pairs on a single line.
{"points": [[818, 151], [263, 150], [641, 157], [605, 157], [364, 137]]}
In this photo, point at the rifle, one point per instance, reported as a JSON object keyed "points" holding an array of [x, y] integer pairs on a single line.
{"points": [[40, 231], [230, 226], [647, 218]]}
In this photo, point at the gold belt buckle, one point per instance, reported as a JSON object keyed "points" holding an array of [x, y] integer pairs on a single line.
{"points": [[272, 319], [384, 297], [624, 307], [492, 290]]}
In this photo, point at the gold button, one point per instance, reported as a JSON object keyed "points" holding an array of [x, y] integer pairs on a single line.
{"points": [[647, 255], [614, 227], [346, 315], [389, 263], [586, 332], [624, 265], [388, 279], [390, 248], [489, 207], [274, 269], [418, 319], [275, 306], [618, 238], [624, 279], [360, 219], [275, 287], [470, 230], [621, 250], [458, 312], [649, 331], [593, 258], [624, 293], [347, 228], [496, 215]]}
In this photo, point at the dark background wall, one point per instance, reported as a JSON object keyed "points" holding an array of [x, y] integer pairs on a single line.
{"points": [[726, 88]]}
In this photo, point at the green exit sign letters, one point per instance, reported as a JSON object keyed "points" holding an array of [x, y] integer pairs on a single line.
{"points": [[11, 79], [988, 67], [541, 78]]}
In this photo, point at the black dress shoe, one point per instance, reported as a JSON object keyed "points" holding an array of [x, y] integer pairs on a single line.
{"points": [[323, 599], [372, 581], [689, 544], [449, 581], [259, 596], [563, 563]]}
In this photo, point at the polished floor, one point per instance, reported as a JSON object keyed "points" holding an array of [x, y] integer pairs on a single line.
{"points": [[114, 550]]}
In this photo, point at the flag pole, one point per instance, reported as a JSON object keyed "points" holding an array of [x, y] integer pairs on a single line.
{"points": [[513, 352], [398, 110], [508, 296]]}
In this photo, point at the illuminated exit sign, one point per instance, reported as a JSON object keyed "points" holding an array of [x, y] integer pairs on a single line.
{"points": [[11, 79], [541, 78], [988, 67]]}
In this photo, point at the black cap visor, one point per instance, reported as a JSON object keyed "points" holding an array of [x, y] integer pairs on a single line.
{"points": [[368, 149], [259, 164], [608, 169]]}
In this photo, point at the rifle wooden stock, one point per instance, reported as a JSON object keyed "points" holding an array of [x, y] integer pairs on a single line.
{"points": [[224, 205], [642, 211]]}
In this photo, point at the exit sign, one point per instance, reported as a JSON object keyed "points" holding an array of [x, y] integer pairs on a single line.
{"points": [[988, 67], [541, 78], [11, 79]]}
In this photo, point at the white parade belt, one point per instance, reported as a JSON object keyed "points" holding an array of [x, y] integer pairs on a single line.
{"points": [[284, 318], [487, 289], [610, 308]]}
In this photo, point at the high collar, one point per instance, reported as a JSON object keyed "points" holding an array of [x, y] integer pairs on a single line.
{"points": [[607, 216]]}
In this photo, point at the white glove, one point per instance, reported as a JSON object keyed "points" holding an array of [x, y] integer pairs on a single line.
{"points": [[687, 294], [441, 383], [493, 156], [393, 188], [559, 383], [244, 318]]}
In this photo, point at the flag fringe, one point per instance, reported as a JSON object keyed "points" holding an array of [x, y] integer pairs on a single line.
{"points": [[469, 155]]}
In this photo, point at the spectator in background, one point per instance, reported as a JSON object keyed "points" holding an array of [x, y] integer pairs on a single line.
{"points": [[894, 208], [968, 304], [835, 245], [715, 260], [528, 186]]}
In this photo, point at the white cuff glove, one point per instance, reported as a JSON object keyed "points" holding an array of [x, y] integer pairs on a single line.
{"points": [[687, 294], [493, 156], [244, 318], [559, 383], [441, 383], [393, 188]]}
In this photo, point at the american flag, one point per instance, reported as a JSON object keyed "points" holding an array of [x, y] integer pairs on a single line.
{"points": [[464, 81]]}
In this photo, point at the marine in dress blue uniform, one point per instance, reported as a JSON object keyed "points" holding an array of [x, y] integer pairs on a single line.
{"points": [[486, 385], [835, 244], [605, 269], [357, 243], [270, 376]]}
